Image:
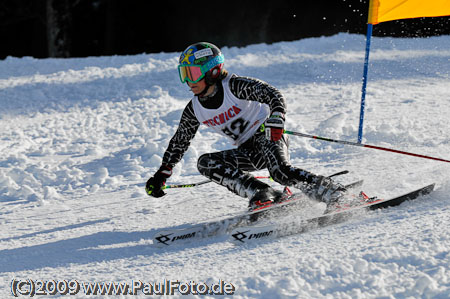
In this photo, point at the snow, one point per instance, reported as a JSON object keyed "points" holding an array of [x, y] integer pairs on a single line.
{"points": [[81, 136]]}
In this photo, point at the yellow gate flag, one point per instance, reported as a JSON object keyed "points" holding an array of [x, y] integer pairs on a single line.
{"points": [[388, 10]]}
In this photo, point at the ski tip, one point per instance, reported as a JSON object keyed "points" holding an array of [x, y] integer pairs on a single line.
{"points": [[429, 188], [354, 184], [339, 173]]}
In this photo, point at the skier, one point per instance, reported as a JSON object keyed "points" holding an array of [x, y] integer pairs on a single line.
{"points": [[251, 113]]}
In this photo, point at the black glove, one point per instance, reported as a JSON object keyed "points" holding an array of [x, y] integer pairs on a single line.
{"points": [[155, 184]]}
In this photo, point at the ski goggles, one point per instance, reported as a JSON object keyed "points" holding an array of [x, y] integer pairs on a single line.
{"points": [[195, 72]]}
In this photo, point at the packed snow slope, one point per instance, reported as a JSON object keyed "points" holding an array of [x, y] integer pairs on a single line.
{"points": [[80, 137]]}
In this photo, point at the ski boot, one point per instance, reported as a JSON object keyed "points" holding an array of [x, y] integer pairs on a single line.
{"points": [[347, 202], [266, 197], [324, 189]]}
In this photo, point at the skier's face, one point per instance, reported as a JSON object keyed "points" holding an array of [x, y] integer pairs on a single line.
{"points": [[198, 87]]}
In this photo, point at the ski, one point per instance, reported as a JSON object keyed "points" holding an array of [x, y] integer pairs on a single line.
{"points": [[170, 237], [176, 236], [247, 234], [167, 237], [354, 184], [211, 228]]}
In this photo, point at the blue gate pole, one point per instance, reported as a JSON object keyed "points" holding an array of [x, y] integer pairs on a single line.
{"points": [[364, 84]]}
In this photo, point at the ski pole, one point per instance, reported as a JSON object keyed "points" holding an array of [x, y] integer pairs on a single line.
{"points": [[186, 185], [256, 177], [364, 145], [202, 182]]}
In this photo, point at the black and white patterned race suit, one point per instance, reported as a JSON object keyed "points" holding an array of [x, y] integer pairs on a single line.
{"points": [[231, 168]]}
